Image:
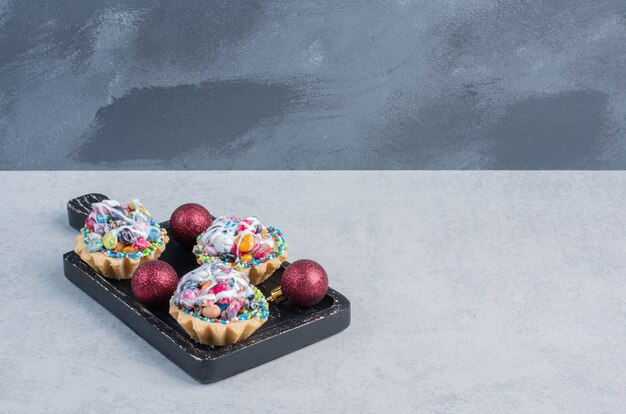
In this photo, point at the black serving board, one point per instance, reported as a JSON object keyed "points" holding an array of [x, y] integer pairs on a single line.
{"points": [[288, 328]]}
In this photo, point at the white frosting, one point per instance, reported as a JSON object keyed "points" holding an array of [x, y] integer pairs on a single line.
{"points": [[221, 235], [137, 221], [104, 206], [225, 230], [235, 285]]}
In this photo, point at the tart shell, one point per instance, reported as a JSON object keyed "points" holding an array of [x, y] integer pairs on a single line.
{"points": [[260, 273], [215, 333], [114, 267]]}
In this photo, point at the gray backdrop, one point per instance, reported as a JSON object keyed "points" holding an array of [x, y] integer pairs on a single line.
{"points": [[472, 84]]}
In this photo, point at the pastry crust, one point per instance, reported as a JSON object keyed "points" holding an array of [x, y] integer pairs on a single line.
{"points": [[215, 333], [262, 271], [113, 267]]}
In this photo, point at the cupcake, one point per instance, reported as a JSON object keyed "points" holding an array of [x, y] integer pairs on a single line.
{"points": [[243, 243], [116, 239], [216, 305]]}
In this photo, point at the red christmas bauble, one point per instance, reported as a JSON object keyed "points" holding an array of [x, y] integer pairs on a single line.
{"points": [[188, 221], [304, 282], [154, 282]]}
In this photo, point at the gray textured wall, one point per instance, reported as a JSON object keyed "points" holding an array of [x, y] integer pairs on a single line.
{"points": [[326, 84]]}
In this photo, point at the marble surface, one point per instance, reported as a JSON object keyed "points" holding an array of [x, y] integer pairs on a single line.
{"points": [[325, 84], [484, 292]]}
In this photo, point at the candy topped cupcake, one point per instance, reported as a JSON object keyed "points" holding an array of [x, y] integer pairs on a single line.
{"points": [[245, 244], [117, 238], [216, 305]]}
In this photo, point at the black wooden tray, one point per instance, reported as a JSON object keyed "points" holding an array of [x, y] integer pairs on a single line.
{"points": [[288, 328]]}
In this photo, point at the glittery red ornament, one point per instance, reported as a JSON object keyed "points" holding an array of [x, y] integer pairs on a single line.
{"points": [[304, 282], [154, 282], [188, 221]]}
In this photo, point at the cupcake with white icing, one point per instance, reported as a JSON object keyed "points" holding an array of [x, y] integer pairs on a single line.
{"points": [[216, 305], [117, 238], [243, 243]]}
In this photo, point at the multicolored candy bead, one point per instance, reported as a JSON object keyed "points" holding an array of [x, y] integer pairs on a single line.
{"points": [[141, 243], [135, 204], [109, 240], [94, 245], [154, 235]]}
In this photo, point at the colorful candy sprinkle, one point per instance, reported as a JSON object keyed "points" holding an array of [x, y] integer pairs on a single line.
{"points": [[94, 245]]}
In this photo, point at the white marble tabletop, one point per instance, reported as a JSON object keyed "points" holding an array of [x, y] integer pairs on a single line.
{"points": [[471, 292]]}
